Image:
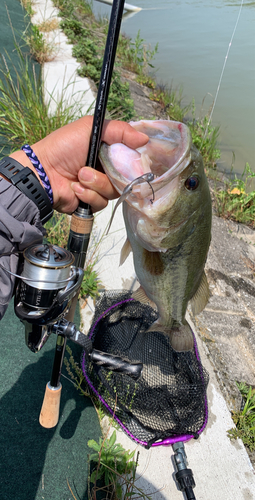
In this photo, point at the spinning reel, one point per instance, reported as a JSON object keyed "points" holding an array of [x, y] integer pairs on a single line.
{"points": [[44, 295], [45, 290]]}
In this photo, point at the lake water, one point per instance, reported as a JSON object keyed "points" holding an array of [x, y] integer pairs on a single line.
{"points": [[194, 38]]}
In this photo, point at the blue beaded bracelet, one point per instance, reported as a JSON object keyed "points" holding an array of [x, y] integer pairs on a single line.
{"points": [[40, 170]]}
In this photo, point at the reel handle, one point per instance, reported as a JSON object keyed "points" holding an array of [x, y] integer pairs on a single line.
{"points": [[50, 408], [116, 363]]}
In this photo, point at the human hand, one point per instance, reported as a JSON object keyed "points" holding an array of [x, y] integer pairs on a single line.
{"points": [[63, 155]]}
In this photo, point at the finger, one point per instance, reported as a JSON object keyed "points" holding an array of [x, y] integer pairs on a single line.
{"points": [[94, 199], [98, 182], [116, 131]]}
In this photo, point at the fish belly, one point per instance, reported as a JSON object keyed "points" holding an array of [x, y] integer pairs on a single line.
{"points": [[164, 278]]}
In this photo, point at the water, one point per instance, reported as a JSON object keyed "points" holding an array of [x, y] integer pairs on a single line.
{"points": [[193, 38]]}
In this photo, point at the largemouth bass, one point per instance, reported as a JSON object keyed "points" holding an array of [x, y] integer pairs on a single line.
{"points": [[168, 222]]}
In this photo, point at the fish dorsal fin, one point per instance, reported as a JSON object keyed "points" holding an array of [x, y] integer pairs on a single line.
{"points": [[125, 251], [201, 297], [141, 296]]}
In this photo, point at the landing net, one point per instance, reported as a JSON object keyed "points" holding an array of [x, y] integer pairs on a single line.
{"points": [[168, 402]]}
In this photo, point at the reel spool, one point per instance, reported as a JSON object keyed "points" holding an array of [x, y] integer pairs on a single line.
{"points": [[44, 291], [46, 269]]}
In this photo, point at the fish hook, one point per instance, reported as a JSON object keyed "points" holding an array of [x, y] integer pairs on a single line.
{"points": [[128, 189]]}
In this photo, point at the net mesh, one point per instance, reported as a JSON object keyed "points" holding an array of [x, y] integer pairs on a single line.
{"points": [[169, 398]]}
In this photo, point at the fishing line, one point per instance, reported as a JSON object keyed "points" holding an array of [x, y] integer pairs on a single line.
{"points": [[158, 8], [222, 72], [128, 189], [24, 278]]}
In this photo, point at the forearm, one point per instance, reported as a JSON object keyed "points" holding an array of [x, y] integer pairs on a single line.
{"points": [[22, 158]]}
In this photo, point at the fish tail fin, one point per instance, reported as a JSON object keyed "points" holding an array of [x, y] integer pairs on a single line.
{"points": [[180, 337]]}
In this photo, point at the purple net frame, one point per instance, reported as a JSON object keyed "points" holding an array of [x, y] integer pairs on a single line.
{"points": [[167, 441]]}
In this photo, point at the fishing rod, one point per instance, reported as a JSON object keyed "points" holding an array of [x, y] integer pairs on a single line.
{"points": [[82, 218]]}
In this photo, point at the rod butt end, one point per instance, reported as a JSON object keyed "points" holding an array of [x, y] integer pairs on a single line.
{"points": [[50, 408]]}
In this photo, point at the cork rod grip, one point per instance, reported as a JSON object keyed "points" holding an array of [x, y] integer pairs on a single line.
{"points": [[81, 225], [50, 408]]}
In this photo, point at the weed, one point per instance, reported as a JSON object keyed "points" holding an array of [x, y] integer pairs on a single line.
{"points": [[235, 202], [57, 229], [73, 29], [112, 459], [116, 468], [135, 55], [75, 373], [146, 80], [170, 101], [206, 144], [90, 283], [48, 25], [205, 137], [120, 105], [40, 49], [77, 378], [24, 114], [28, 6], [81, 7], [245, 418], [130, 395], [88, 39]]}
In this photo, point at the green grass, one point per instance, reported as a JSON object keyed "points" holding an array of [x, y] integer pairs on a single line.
{"points": [[205, 137], [40, 49], [115, 468], [28, 6], [24, 114], [236, 201], [57, 229], [245, 418], [88, 36], [170, 101], [135, 55], [90, 283]]}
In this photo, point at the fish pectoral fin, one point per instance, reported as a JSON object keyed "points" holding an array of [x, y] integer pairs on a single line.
{"points": [[141, 296], [201, 297], [125, 251], [180, 337]]}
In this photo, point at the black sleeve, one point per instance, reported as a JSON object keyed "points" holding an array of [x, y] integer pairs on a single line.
{"points": [[20, 226]]}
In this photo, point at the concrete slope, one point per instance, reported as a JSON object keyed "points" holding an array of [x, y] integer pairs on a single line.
{"points": [[222, 468]]}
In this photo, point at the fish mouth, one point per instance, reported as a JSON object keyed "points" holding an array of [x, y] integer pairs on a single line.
{"points": [[166, 155]]}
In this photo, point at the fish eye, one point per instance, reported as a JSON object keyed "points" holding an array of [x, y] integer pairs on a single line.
{"points": [[192, 183]]}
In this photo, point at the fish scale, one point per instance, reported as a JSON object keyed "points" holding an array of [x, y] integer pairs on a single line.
{"points": [[169, 238]]}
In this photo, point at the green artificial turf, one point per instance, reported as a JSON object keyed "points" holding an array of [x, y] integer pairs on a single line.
{"points": [[37, 463]]}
